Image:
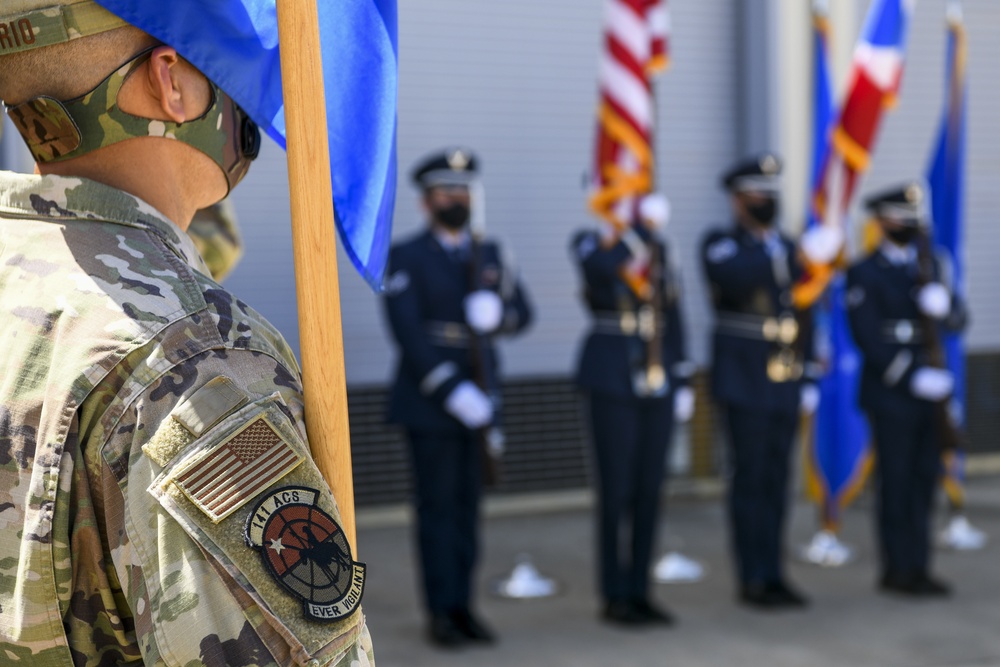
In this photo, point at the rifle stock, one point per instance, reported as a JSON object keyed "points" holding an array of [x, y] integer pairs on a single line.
{"points": [[949, 432], [491, 437]]}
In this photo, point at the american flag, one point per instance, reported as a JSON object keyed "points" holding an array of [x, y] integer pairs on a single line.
{"points": [[239, 469], [636, 34], [875, 78]]}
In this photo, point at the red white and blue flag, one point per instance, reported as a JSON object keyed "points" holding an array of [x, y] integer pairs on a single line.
{"points": [[838, 454], [876, 74], [636, 34]]}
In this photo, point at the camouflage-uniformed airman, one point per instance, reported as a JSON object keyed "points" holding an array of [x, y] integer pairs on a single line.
{"points": [[158, 502], [216, 234]]}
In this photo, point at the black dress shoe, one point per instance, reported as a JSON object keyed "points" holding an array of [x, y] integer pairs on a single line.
{"points": [[443, 632], [927, 586], [471, 627], [759, 595], [902, 583], [651, 614], [786, 596], [622, 612]]}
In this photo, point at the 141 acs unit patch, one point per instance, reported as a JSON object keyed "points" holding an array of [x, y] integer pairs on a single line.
{"points": [[306, 552]]}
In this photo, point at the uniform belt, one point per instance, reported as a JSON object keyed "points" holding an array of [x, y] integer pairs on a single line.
{"points": [[903, 331], [447, 334], [784, 329], [628, 323]]}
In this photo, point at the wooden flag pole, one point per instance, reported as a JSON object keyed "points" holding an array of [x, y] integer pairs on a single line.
{"points": [[314, 244]]}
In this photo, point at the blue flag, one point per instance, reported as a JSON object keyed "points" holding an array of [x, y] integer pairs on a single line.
{"points": [[946, 177], [235, 43], [839, 453]]}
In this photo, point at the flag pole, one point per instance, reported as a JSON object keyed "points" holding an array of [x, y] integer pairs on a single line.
{"points": [[314, 245]]}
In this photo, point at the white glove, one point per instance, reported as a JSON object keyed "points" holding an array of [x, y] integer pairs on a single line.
{"points": [[483, 311], [934, 300], [469, 405], [822, 243], [654, 209], [683, 404], [809, 398], [932, 384]]}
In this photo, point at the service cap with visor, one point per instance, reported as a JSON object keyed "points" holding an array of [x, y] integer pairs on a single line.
{"points": [[57, 130], [907, 204], [757, 175]]}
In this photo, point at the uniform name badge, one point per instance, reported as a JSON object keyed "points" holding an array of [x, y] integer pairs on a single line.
{"points": [[307, 553]]}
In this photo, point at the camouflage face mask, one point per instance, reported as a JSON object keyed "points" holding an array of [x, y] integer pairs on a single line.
{"points": [[56, 131]]}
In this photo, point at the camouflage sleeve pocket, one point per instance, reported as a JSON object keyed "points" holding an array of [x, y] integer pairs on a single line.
{"points": [[246, 490]]}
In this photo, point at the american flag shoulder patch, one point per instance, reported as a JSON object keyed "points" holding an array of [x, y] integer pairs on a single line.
{"points": [[232, 473]]}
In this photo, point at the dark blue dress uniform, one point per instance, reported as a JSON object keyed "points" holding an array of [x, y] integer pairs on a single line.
{"points": [[632, 413], [427, 285], [890, 331], [761, 354]]}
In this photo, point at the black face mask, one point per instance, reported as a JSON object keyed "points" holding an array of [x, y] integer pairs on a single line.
{"points": [[453, 217], [764, 213], [902, 235]]}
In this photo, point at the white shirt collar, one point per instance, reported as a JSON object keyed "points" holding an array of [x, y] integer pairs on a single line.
{"points": [[898, 255], [451, 241]]}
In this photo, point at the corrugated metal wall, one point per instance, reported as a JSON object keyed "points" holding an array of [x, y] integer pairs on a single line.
{"points": [[516, 80]]}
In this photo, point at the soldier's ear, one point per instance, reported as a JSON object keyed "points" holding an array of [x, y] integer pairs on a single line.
{"points": [[177, 90]]}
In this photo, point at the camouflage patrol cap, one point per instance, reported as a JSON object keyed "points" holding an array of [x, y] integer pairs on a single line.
{"points": [[32, 24]]}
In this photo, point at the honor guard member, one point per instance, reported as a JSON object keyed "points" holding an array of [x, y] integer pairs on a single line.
{"points": [[158, 501], [635, 374], [900, 301], [760, 370], [447, 296]]}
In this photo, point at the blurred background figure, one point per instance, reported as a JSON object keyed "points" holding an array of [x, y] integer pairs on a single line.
{"points": [[447, 295], [759, 372], [216, 234], [900, 301], [634, 372]]}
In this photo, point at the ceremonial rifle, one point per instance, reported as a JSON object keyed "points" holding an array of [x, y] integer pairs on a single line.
{"points": [[492, 439], [949, 432]]}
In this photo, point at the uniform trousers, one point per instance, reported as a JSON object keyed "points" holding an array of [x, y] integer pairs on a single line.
{"points": [[760, 446], [908, 461], [448, 486], [631, 439]]}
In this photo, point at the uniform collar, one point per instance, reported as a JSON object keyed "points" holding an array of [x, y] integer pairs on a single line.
{"points": [[60, 198], [451, 242], [897, 255]]}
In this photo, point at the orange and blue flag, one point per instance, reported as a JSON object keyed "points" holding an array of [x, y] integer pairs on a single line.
{"points": [[839, 450], [946, 177], [235, 43]]}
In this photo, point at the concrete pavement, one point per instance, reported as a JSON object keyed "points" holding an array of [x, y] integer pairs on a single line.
{"points": [[848, 624]]}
